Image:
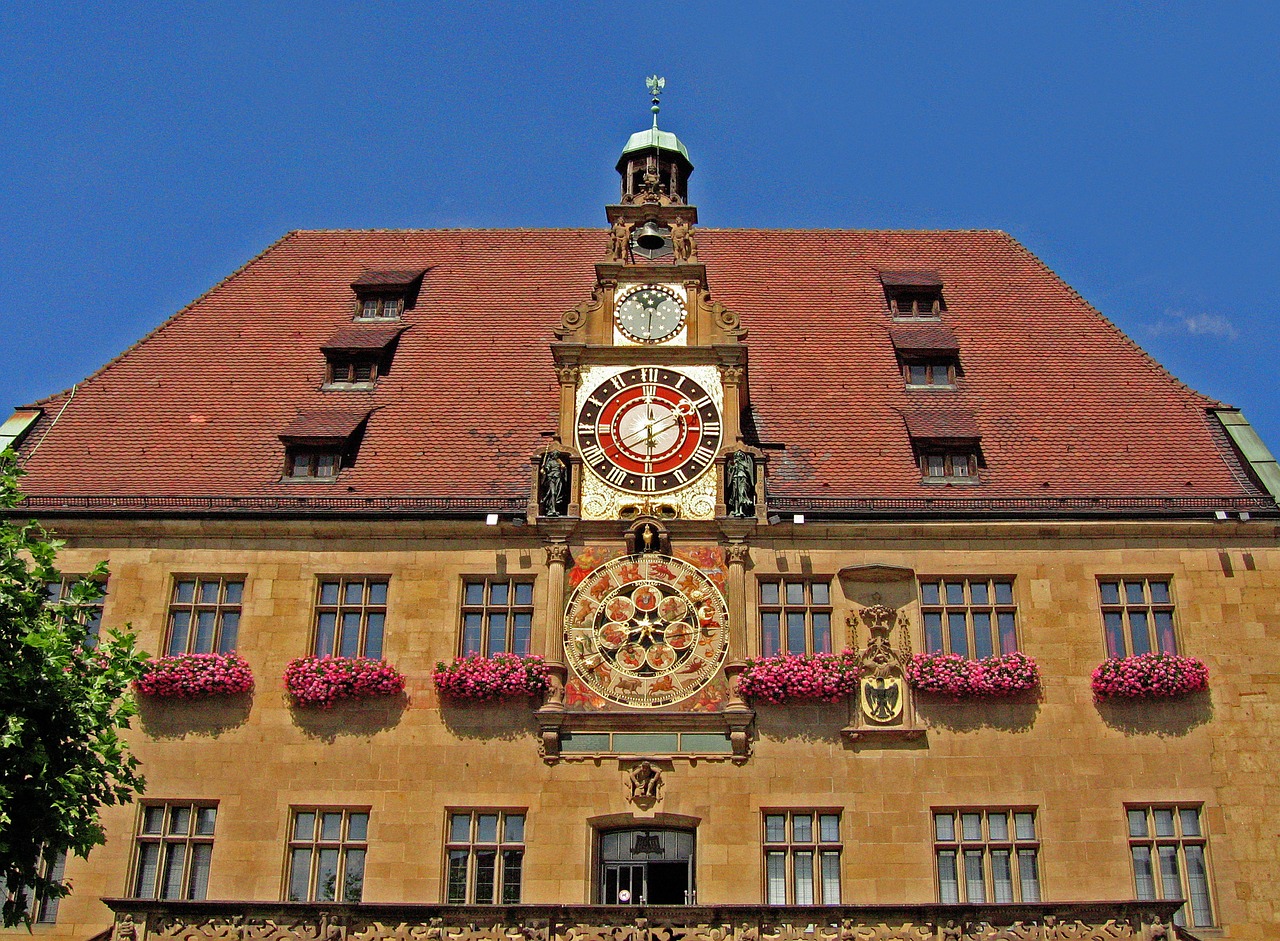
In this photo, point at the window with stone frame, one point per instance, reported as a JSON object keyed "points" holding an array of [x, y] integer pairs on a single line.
{"points": [[484, 857], [204, 614], [795, 615], [986, 855], [44, 910], [174, 850], [351, 616], [1168, 847], [802, 857], [972, 617], [1137, 615], [88, 613], [497, 616], [327, 850]]}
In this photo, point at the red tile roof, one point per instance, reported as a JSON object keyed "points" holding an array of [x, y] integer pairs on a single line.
{"points": [[911, 279], [363, 336], [318, 425], [931, 424], [1069, 407], [923, 338], [392, 278]]}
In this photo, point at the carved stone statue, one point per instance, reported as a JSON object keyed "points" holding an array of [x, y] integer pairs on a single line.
{"points": [[619, 241], [740, 484], [682, 241], [645, 782], [553, 484], [126, 930]]}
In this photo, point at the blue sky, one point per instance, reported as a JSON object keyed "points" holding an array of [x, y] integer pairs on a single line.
{"points": [[153, 148]]}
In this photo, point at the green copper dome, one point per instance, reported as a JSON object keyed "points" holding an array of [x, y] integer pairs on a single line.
{"points": [[651, 138]]}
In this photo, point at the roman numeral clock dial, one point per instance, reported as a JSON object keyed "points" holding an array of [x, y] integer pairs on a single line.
{"points": [[649, 430]]}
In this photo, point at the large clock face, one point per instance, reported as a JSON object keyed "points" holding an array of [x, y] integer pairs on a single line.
{"points": [[649, 430], [650, 314], [646, 630]]}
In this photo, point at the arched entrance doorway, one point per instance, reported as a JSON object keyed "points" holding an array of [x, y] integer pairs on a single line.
{"points": [[649, 866]]}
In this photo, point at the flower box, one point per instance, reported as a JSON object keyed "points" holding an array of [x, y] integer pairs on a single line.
{"points": [[195, 676], [949, 674], [1149, 676], [324, 681], [822, 677], [484, 679]]}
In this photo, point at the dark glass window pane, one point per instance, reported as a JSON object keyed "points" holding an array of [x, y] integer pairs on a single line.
{"points": [[474, 593], [327, 875], [148, 863], [472, 624], [198, 883], [958, 631], [358, 827], [948, 884], [1004, 592], [523, 630], [206, 621], [1139, 633], [205, 817], [933, 631], [820, 593], [929, 592], [1029, 875], [955, 593], [919, 374], [353, 593], [513, 831], [982, 641], [775, 828], [1133, 593], [486, 875], [1143, 877], [353, 877], [1159, 592], [178, 630], [944, 828], [498, 593], [768, 592], [1001, 877], [230, 631], [1165, 640], [299, 874], [1008, 632], [326, 626], [802, 828], [1137, 823], [1189, 817], [1110, 592], [328, 592], [771, 631], [331, 827], [512, 864], [829, 828], [821, 632], [185, 592], [378, 593], [1116, 646], [1164, 821], [979, 593], [209, 592], [487, 828], [971, 825], [795, 632], [373, 635], [152, 820], [974, 886], [460, 828], [497, 633], [795, 593], [304, 826], [175, 855], [349, 642], [1024, 826]]}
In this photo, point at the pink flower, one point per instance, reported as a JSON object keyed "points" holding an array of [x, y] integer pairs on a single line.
{"points": [[821, 676], [1149, 676], [195, 675], [950, 674], [482, 679], [324, 681]]}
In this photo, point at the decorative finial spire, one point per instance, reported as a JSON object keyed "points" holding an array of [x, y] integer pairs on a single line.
{"points": [[656, 83]]}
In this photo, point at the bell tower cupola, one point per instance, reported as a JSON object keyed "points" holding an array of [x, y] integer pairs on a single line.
{"points": [[655, 165]]}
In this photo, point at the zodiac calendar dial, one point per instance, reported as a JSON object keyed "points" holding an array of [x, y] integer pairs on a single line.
{"points": [[649, 430], [646, 630]]}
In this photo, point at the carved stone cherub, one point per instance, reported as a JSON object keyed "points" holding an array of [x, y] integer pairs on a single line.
{"points": [[619, 241], [683, 243]]}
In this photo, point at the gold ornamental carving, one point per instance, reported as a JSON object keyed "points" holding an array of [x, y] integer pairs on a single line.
{"points": [[882, 690], [646, 630]]}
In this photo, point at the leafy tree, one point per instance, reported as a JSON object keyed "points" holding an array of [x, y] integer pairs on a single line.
{"points": [[62, 704]]}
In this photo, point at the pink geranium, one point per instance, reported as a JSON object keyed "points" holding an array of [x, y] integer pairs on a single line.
{"points": [[824, 677], [195, 676], [1149, 676], [950, 674], [323, 681], [483, 679]]}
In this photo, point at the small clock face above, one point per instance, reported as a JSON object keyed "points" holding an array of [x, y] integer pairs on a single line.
{"points": [[649, 430], [650, 314]]}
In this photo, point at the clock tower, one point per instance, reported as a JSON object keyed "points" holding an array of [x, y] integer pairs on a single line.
{"points": [[648, 492]]}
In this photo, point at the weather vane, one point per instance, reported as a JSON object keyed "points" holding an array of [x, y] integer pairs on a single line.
{"points": [[656, 83]]}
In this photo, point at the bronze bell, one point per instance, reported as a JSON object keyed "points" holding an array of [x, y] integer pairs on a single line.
{"points": [[652, 240]]}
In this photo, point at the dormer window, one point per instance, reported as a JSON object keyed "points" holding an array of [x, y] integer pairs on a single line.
{"points": [[928, 355], [913, 295], [929, 373], [382, 307], [319, 444], [358, 354], [947, 445], [386, 294]]}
